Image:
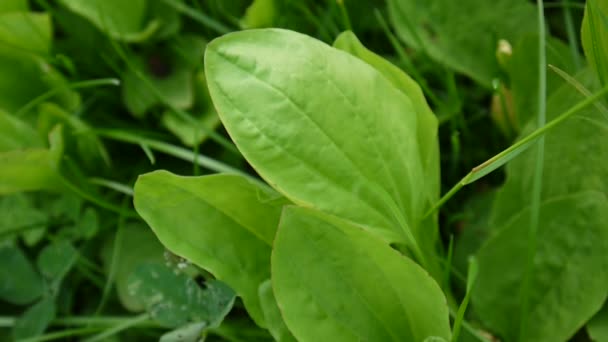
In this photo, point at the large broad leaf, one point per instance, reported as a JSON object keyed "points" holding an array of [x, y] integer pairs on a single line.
{"points": [[19, 282], [222, 223], [321, 126], [575, 157], [176, 299], [463, 34], [337, 282], [124, 20], [570, 272], [594, 36], [426, 129]]}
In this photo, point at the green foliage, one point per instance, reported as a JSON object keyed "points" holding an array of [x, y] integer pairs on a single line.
{"points": [[598, 325], [325, 223], [355, 288], [237, 213], [351, 178], [594, 37], [176, 299], [21, 284], [462, 35], [574, 237]]}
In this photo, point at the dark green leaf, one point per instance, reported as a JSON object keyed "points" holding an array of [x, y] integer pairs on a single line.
{"points": [[598, 325], [35, 320], [176, 299], [19, 282], [570, 271], [148, 250], [56, 260], [462, 35]]}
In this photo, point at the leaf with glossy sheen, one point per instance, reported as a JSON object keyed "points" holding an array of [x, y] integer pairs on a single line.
{"points": [[176, 299], [426, 129], [462, 34], [19, 282], [272, 314], [426, 121], [594, 36], [337, 282], [222, 223], [327, 137], [570, 274], [598, 326]]}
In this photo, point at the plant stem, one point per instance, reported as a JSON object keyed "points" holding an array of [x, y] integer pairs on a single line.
{"points": [[75, 85], [198, 16], [572, 40], [537, 182], [512, 151], [119, 327]]}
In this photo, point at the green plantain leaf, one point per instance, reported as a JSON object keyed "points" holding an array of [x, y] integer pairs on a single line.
{"points": [[327, 137], [428, 142], [574, 159], [463, 34], [222, 223], [272, 314], [575, 156], [337, 282], [570, 274], [594, 36]]}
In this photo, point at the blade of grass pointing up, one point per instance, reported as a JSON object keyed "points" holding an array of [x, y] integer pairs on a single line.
{"points": [[514, 150], [579, 87], [537, 182]]}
